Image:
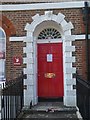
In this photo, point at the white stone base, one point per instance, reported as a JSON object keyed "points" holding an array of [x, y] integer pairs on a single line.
{"points": [[28, 99], [70, 100]]}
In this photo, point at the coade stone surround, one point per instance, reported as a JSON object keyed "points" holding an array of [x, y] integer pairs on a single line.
{"points": [[33, 29]]}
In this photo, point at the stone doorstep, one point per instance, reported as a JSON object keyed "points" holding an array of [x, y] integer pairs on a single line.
{"points": [[66, 109], [48, 109], [40, 113]]}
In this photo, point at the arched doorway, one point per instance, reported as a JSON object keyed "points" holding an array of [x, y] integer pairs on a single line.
{"points": [[41, 23]]}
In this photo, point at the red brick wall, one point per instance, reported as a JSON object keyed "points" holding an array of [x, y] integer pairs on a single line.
{"points": [[76, 17], [15, 27], [20, 18], [80, 53], [14, 49]]}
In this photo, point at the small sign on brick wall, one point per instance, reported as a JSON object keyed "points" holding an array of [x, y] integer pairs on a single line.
{"points": [[17, 60]]}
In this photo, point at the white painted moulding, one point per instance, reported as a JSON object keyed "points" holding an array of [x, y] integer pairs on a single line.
{"points": [[49, 41], [18, 39], [28, 50], [38, 6], [68, 64], [30, 76], [70, 38], [26, 99], [28, 60], [24, 50], [68, 43], [28, 47], [28, 96], [30, 88], [71, 81], [35, 17], [68, 76], [70, 48], [67, 38], [48, 12], [54, 17], [68, 26], [70, 101], [35, 23], [49, 15], [71, 92], [29, 81], [68, 53], [69, 87], [70, 70], [29, 31], [30, 66], [69, 59], [81, 37], [29, 44], [60, 17], [29, 55], [28, 71], [27, 26], [31, 97], [67, 32], [29, 39]]}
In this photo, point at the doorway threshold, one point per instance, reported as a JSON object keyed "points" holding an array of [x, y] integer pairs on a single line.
{"points": [[41, 99]]}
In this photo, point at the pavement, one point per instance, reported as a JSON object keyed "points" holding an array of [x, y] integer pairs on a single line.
{"points": [[49, 110]]}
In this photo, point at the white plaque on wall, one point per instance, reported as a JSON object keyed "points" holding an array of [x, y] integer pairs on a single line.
{"points": [[49, 57]]}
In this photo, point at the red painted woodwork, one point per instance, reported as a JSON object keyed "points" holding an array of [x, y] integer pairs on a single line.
{"points": [[50, 87]]}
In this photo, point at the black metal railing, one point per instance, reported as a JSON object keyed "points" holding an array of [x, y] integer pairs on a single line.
{"points": [[12, 98], [83, 97]]}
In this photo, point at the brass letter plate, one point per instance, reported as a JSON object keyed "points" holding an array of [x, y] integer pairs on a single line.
{"points": [[50, 75]]}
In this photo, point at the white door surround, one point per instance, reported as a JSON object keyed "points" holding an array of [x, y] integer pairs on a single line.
{"points": [[39, 23]]}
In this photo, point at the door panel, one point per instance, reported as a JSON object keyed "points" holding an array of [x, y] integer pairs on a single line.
{"points": [[50, 70]]}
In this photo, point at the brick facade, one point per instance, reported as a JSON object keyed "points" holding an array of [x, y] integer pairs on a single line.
{"points": [[80, 54], [14, 22], [20, 18]]}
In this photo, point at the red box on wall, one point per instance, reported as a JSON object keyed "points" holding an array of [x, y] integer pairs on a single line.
{"points": [[17, 60]]}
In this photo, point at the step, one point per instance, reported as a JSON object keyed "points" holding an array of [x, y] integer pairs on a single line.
{"points": [[40, 112], [49, 114], [45, 106], [64, 109]]}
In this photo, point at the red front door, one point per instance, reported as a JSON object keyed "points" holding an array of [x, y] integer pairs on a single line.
{"points": [[50, 70]]}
